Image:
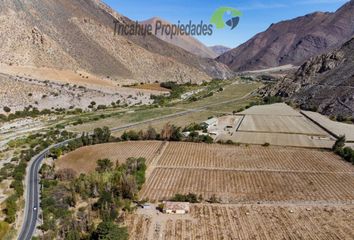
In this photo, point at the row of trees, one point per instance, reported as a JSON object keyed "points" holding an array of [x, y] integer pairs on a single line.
{"points": [[100, 135], [168, 133], [35, 143]]}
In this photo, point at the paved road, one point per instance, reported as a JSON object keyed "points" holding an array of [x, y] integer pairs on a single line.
{"points": [[32, 178]]}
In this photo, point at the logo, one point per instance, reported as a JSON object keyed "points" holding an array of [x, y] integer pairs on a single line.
{"points": [[218, 17]]}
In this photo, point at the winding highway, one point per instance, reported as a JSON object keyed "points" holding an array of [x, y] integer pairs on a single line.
{"points": [[32, 185]]}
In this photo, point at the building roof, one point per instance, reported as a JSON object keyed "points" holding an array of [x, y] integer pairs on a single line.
{"points": [[211, 121], [174, 206]]}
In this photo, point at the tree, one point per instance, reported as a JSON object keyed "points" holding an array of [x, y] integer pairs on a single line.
{"points": [[339, 144], [73, 235], [7, 109], [130, 136], [151, 133], [171, 133], [108, 230], [104, 165]]}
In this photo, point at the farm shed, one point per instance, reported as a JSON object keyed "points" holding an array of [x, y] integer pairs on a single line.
{"points": [[176, 207], [211, 122]]}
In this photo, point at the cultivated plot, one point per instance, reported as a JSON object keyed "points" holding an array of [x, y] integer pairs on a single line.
{"points": [[216, 156], [280, 124], [84, 160], [277, 109], [336, 128], [262, 222], [280, 139], [250, 186], [277, 124]]}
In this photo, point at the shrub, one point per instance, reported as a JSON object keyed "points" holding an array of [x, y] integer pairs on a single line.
{"points": [[190, 197], [7, 109]]}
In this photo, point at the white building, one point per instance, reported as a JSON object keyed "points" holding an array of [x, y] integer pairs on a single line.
{"points": [[176, 207]]}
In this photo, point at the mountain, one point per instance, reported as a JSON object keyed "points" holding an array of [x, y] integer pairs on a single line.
{"points": [[188, 43], [293, 41], [218, 49], [77, 35], [324, 83]]}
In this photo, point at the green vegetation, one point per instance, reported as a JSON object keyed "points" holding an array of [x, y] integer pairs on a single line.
{"points": [[169, 133], [4, 228], [11, 208], [31, 145], [190, 197], [272, 99], [346, 153], [109, 191], [7, 109], [108, 230], [100, 135]]}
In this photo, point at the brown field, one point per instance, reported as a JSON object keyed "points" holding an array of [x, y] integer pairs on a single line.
{"points": [[277, 109], [250, 186], [84, 159], [277, 124], [334, 127], [194, 155], [280, 124], [253, 222], [250, 174], [268, 193], [280, 139]]}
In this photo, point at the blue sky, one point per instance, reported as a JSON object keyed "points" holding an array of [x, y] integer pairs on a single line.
{"points": [[257, 14]]}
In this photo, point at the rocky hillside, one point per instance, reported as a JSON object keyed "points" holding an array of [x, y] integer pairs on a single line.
{"points": [[188, 43], [218, 49], [78, 35], [293, 41], [324, 83]]}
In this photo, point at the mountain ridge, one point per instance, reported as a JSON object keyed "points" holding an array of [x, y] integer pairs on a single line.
{"points": [[78, 35], [310, 86], [293, 41], [188, 43]]}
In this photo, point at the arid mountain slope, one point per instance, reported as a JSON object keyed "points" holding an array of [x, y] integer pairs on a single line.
{"points": [[188, 43], [293, 41], [219, 49], [324, 83], [78, 35]]}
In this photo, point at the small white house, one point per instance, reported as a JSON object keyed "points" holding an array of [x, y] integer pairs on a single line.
{"points": [[211, 122], [146, 206], [176, 207]]}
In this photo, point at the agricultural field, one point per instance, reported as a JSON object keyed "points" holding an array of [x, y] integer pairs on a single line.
{"points": [[250, 186], [337, 128], [261, 222], [227, 101], [216, 156], [280, 124], [84, 160], [262, 192], [250, 174], [277, 109], [279, 139], [275, 124]]}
